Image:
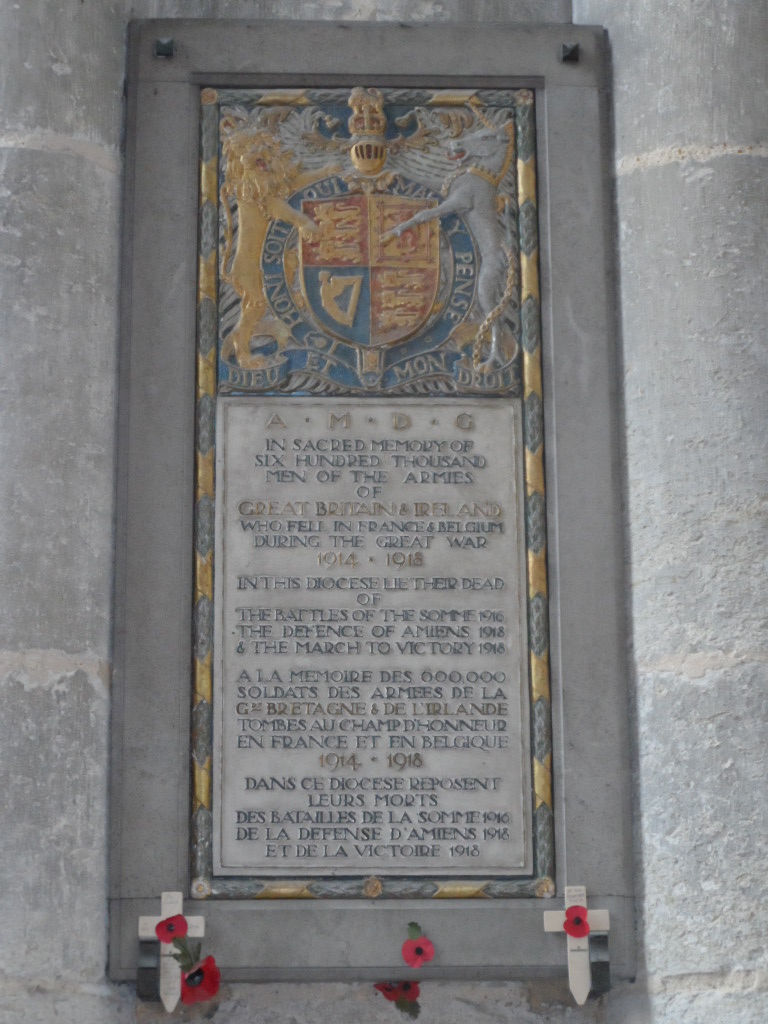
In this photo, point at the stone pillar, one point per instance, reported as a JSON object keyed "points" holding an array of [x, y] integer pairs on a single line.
{"points": [[691, 191], [61, 170]]}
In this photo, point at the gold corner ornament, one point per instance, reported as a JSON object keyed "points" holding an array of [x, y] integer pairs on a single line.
{"points": [[200, 889], [372, 887], [545, 889]]}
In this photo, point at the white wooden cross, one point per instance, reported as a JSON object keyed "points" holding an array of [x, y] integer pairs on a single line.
{"points": [[171, 903], [579, 969]]}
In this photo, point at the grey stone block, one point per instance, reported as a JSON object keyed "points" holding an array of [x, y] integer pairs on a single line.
{"points": [[53, 805], [58, 288], [695, 367], [703, 815], [505, 11], [60, 71], [684, 73], [66, 1003]]}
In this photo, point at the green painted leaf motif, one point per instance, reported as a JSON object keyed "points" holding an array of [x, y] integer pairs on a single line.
{"points": [[409, 1007], [187, 956], [414, 931]]}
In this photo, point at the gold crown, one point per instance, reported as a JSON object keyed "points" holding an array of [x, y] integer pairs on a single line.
{"points": [[367, 126]]}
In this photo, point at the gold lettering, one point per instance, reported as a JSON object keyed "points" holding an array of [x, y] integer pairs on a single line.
{"points": [[333, 419]]}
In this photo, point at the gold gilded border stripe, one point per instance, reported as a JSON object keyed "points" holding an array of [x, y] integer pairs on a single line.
{"points": [[286, 890], [461, 890]]}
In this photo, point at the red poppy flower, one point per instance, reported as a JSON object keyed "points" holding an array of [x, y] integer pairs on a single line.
{"points": [[201, 983], [418, 951], [405, 990], [575, 923], [172, 928]]}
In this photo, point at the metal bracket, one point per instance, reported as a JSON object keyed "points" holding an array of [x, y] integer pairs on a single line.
{"points": [[164, 48], [570, 53]]}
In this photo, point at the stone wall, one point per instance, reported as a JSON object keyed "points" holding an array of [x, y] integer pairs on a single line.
{"points": [[691, 141]]}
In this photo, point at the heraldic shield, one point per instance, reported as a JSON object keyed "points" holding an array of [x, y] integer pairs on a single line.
{"points": [[362, 286]]}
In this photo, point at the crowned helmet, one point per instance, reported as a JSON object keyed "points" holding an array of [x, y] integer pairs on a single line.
{"points": [[367, 126]]}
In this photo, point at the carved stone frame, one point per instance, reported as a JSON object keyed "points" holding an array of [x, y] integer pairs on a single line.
{"points": [[160, 481], [524, 388]]}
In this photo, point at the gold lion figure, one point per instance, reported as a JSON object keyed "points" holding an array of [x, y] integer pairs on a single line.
{"points": [[260, 176]]}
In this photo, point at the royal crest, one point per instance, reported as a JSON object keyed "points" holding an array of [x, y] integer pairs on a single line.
{"points": [[377, 251]]}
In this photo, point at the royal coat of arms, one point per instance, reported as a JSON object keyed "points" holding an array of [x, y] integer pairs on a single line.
{"points": [[371, 241]]}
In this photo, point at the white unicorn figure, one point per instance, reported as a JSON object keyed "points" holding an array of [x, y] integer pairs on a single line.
{"points": [[484, 155]]}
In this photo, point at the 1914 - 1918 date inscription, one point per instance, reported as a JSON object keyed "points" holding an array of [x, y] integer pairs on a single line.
{"points": [[370, 653]]}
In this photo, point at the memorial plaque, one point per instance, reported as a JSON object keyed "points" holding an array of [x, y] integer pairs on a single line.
{"points": [[399, 619], [369, 367], [372, 681]]}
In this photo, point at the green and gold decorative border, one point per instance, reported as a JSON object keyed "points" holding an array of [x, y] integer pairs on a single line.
{"points": [[205, 453], [535, 498], [204, 884]]}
